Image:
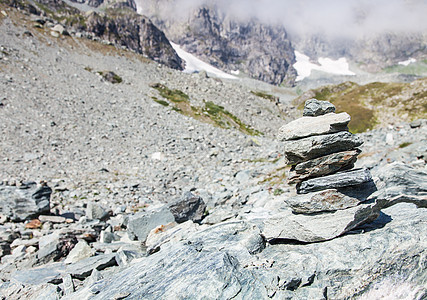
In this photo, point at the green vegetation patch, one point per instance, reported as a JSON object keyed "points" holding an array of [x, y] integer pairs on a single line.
{"points": [[265, 96], [418, 68], [374, 102], [404, 145], [171, 95], [110, 76], [211, 113]]}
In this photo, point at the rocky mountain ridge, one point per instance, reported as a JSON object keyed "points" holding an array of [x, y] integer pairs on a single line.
{"points": [[262, 51]]}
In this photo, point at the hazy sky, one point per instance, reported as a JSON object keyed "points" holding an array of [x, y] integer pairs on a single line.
{"points": [[335, 17]]}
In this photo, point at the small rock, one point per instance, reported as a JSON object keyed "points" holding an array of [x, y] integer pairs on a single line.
{"points": [[84, 268], [58, 28], [80, 251], [124, 257], [94, 211], [52, 219], [314, 108], [188, 207], [33, 224]]}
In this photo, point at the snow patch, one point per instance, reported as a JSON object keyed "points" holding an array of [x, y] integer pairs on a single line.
{"points": [[304, 66], [407, 62], [193, 64]]}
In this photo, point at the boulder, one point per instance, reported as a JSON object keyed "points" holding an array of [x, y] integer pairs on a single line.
{"points": [[188, 207], [314, 108], [342, 179], [142, 223], [310, 126], [25, 202], [316, 146]]}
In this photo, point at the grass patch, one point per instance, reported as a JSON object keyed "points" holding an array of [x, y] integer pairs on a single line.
{"points": [[211, 113], [404, 145], [161, 102], [265, 96], [171, 95], [372, 104], [418, 68]]}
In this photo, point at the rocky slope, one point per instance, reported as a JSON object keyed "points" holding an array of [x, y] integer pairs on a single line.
{"points": [[262, 51], [125, 179], [117, 24]]}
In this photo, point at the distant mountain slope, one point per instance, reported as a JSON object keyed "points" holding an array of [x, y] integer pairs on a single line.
{"points": [[375, 104], [116, 22], [262, 51]]}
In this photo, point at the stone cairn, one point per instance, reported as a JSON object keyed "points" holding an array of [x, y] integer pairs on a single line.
{"points": [[322, 153]]}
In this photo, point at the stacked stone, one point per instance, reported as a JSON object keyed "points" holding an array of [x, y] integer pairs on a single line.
{"points": [[320, 148]]}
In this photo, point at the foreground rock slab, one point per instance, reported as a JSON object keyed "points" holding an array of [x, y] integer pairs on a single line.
{"points": [[338, 180], [310, 126]]}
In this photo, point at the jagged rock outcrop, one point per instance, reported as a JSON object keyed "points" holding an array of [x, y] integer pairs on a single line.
{"points": [[263, 52], [137, 33], [120, 25]]}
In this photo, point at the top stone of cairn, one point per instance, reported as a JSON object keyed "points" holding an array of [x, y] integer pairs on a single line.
{"points": [[314, 108]]}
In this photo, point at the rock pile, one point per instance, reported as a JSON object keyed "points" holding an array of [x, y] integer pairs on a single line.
{"points": [[323, 154], [319, 145]]}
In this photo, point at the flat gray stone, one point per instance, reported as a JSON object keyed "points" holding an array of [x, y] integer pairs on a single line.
{"points": [[319, 227], [25, 202], [314, 107], [310, 126], [324, 165], [338, 180], [323, 201], [142, 223], [84, 268], [316, 146], [40, 275]]}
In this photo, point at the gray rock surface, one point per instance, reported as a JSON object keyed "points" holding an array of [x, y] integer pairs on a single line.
{"points": [[323, 201], [342, 179], [316, 146], [401, 183], [324, 165], [24, 202], [319, 227], [314, 108], [188, 207], [142, 223], [310, 126]]}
